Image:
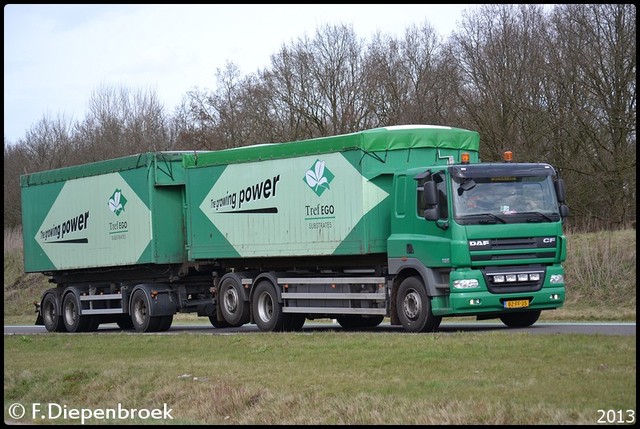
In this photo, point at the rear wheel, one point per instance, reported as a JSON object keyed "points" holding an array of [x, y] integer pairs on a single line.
{"points": [[267, 312], [165, 323], [356, 321], [218, 323], [414, 307], [232, 305], [294, 322], [520, 320], [125, 322], [71, 317], [51, 317], [213, 318], [140, 316]]}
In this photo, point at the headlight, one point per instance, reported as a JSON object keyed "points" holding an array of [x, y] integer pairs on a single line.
{"points": [[465, 283], [556, 279]]}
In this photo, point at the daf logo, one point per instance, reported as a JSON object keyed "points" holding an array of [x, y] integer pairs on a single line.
{"points": [[478, 242], [549, 240]]}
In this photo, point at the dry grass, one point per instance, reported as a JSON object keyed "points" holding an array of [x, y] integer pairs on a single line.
{"points": [[329, 377]]}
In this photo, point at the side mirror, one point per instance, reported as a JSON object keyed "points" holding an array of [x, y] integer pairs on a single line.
{"points": [[430, 201], [432, 213], [564, 210], [560, 190], [430, 194]]}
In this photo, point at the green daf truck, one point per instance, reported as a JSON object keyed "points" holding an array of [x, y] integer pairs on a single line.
{"points": [[399, 222]]}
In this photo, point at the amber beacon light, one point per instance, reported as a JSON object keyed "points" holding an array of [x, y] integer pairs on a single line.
{"points": [[507, 156]]}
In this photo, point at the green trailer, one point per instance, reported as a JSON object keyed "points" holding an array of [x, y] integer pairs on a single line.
{"points": [[356, 227]]}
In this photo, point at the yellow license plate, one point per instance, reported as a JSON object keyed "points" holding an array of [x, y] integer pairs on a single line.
{"points": [[519, 303]]}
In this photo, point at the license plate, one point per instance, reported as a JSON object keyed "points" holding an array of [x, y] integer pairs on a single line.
{"points": [[519, 303]]}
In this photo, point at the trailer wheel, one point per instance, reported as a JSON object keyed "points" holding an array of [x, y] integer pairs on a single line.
{"points": [[414, 307], [165, 323], [218, 323], [125, 322], [267, 312], [51, 317], [140, 307], [71, 317], [294, 322], [520, 320], [356, 321], [93, 324], [232, 305]]}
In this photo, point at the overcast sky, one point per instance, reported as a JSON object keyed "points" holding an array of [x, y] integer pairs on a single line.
{"points": [[56, 56]]}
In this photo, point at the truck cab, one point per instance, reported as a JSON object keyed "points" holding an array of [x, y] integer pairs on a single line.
{"points": [[484, 239]]}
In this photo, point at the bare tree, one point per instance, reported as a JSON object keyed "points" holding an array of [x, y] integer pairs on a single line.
{"points": [[593, 70], [498, 50], [320, 82], [120, 123], [16, 163], [48, 143]]}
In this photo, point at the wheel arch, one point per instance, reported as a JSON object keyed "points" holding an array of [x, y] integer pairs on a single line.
{"points": [[58, 294], [162, 299], [238, 277], [269, 276]]}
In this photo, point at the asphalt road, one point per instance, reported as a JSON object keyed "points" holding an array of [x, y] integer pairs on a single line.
{"points": [[603, 328]]}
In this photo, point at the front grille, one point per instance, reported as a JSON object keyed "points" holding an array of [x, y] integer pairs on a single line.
{"points": [[518, 249]]}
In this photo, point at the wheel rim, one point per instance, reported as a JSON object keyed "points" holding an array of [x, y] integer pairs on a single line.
{"points": [[70, 312], [140, 311], [230, 300], [265, 307], [412, 305], [49, 313]]}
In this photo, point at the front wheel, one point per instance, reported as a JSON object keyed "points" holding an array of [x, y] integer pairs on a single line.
{"points": [[267, 311], [414, 307], [520, 320]]}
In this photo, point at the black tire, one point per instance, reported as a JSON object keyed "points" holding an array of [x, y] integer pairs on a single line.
{"points": [[165, 323], [294, 322], [232, 305], [71, 317], [357, 321], [51, 316], [370, 321], [94, 323], [347, 321], [125, 322], [218, 323], [267, 312], [140, 307], [414, 307], [520, 320]]}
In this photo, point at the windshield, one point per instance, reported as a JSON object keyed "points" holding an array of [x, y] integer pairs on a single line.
{"points": [[504, 196]]}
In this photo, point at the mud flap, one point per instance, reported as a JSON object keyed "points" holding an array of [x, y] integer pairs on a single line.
{"points": [[39, 320]]}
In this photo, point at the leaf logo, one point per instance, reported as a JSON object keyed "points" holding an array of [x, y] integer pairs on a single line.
{"points": [[117, 202], [318, 177]]}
